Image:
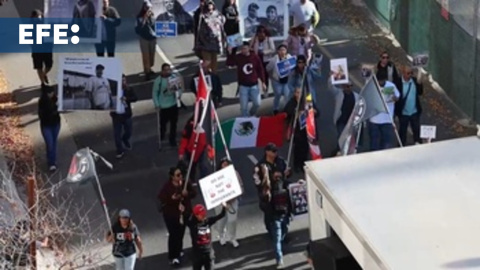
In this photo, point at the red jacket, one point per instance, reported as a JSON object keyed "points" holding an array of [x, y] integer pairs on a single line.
{"points": [[187, 143]]}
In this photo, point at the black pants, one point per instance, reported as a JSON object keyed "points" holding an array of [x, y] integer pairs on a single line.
{"points": [[176, 231], [266, 75], [169, 115], [414, 122], [108, 45], [300, 151], [203, 261]]}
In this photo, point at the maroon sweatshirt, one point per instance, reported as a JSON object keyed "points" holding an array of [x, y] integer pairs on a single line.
{"points": [[249, 69], [170, 206]]}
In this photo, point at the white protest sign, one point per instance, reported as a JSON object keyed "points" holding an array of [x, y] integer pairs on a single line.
{"points": [[420, 60], [220, 187], [428, 132]]}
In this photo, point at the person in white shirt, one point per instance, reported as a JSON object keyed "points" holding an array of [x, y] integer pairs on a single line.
{"points": [[380, 126], [98, 90], [304, 12]]}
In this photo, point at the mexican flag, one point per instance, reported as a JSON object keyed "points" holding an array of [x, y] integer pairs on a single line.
{"points": [[245, 132]]}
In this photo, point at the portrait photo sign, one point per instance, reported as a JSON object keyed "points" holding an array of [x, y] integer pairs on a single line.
{"points": [[272, 14], [179, 11], [220, 187], [166, 29], [90, 83], [339, 69], [298, 198], [85, 13]]}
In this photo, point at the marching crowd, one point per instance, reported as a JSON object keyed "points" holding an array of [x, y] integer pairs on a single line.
{"points": [[256, 63]]}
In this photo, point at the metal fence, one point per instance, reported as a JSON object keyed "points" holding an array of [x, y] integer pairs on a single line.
{"points": [[452, 44]]}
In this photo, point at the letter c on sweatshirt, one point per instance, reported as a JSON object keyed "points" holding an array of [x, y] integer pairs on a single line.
{"points": [[247, 68]]}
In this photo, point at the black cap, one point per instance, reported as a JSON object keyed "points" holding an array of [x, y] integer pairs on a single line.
{"points": [[99, 67], [271, 147], [253, 6]]}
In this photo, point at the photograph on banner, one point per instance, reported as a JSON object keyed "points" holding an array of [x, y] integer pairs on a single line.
{"points": [[420, 59], [90, 83], [367, 70], [220, 187], [179, 11], [284, 67], [339, 71], [85, 13], [165, 29], [175, 83], [298, 198], [428, 132], [235, 40], [208, 79], [272, 14]]}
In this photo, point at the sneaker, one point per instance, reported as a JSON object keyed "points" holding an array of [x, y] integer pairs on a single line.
{"points": [[280, 264], [223, 241], [119, 156], [127, 145], [52, 168], [175, 262], [235, 243]]}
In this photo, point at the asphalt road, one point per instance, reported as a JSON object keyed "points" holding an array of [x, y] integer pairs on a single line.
{"points": [[135, 180]]}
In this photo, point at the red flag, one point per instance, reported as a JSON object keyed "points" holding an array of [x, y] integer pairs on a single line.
{"points": [[199, 136], [312, 133]]}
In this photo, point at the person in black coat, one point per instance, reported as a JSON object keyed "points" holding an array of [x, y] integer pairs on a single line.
{"points": [[408, 108], [231, 26], [196, 21], [49, 123], [217, 88], [387, 67], [111, 20]]}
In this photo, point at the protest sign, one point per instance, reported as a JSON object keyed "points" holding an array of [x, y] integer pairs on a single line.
{"points": [[298, 198], [178, 11], [339, 70], [235, 41], [166, 29], [428, 132], [367, 71], [284, 67], [271, 14], [220, 187], [420, 59]]}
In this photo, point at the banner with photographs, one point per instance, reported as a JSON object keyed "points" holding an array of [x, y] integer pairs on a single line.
{"points": [[179, 11], [90, 83], [85, 13], [272, 14], [339, 71]]}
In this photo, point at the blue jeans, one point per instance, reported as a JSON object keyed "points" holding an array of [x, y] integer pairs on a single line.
{"points": [[280, 90], [50, 136], [122, 131], [381, 136], [249, 93], [125, 263], [278, 231]]}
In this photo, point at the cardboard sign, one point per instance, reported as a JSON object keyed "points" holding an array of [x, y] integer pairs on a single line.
{"points": [[166, 29], [420, 60], [298, 197], [220, 187], [428, 132], [286, 66]]}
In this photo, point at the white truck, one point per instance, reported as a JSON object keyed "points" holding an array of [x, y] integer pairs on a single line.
{"points": [[413, 208]]}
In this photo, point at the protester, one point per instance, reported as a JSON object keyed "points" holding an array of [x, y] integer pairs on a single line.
{"points": [[300, 42], [111, 20], [165, 101], [408, 108], [231, 26], [273, 163], [249, 71], [386, 66], [279, 84], [217, 87], [313, 73], [176, 205], [42, 55], [145, 29], [380, 126], [196, 25], [125, 239], [305, 12], [277, 210], [210, 35], [300, 141], [200, 230], [345, 100], [122, 122], [49, 123], [262, 45], [227, 226], [185, 151]]}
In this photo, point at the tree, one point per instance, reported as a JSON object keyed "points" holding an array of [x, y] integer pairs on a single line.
{"points": [[59, 226]]}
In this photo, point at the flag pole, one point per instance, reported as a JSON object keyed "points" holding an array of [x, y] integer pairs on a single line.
{"points": [[212, 129], [360, 128], [294, 124], [220, 131]]}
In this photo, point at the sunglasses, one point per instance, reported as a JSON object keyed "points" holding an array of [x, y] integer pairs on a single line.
{"points": [[385, 57]]}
